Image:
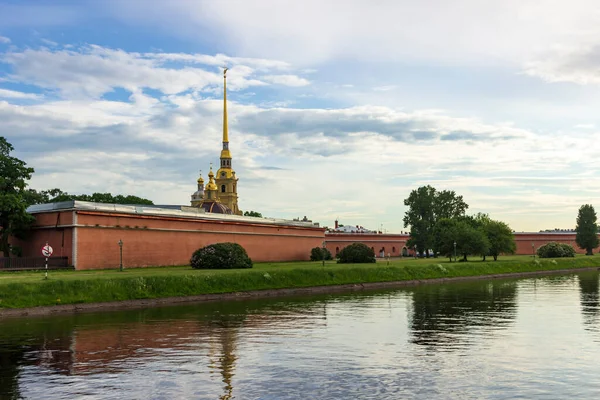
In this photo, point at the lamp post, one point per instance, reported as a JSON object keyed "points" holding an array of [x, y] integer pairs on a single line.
{"points": [[455, 251], [323, 253], [533, 249], [120, 243]]}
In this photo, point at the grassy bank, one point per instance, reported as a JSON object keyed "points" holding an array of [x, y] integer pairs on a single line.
{"points": [[20, 290]]}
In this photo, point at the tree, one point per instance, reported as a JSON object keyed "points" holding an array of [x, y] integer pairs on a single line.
{"points": [[500, 237], [356, 253], [425, 207], [252, 214], [320, 253], [587, 229], [444, 237], [14, 219], [57, 195], [470, 240]]}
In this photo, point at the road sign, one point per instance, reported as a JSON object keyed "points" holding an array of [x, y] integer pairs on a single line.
{"points": [[47, 250]]}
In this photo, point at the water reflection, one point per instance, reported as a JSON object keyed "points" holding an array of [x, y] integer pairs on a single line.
{"points": [[447, 315], [437, 341], [589, 286]]}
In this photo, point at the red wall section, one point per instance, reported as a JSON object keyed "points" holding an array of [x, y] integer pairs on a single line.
{"points": [[160, 240], [391, 244]]}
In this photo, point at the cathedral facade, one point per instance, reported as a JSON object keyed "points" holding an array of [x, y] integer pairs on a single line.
{"points": [[220, 193]]}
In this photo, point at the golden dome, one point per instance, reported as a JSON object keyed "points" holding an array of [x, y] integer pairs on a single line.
{"points": [[211, 181], [200, 180]]}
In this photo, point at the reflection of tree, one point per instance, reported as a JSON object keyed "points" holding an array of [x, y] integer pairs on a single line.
{"points": [[590, 298], [444, 314]]}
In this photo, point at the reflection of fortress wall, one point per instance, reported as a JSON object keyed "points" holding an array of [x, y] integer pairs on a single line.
{"points": [[152, 236]]}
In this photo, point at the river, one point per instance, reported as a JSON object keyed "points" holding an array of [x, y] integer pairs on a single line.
{"points": [[534, 338]]}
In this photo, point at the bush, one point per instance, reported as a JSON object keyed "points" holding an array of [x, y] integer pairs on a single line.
{"points": [[316, 254], [555, 250], [356, 253], [221, 256]]}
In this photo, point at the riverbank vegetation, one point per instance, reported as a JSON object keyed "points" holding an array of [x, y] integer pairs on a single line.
{"points": [[29, 289]]}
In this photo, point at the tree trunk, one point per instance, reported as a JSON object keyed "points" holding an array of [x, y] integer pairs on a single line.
{"points": [[465, 257], [589, 252], [483, 258], [495, 257]]}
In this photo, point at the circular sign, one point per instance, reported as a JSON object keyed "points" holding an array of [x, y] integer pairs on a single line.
{"points": [[47, 250]]}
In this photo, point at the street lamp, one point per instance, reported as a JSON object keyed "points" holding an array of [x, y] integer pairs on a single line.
{"points": [[120, 243], [455, 251], [533, 249], [323, 253]]}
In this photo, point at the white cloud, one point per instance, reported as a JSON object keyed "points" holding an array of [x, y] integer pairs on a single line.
{"points": [[92, 71], [575, 64], [4, 39], [287, 80], [310, 32], [12, 94]]}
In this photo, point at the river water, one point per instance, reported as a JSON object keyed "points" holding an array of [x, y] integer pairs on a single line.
{"points": [[536, 338]]}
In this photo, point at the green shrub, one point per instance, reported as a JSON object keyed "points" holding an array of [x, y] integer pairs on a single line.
{"points": [[356, 253], [555, 250], [221, 256], [316, 254]]}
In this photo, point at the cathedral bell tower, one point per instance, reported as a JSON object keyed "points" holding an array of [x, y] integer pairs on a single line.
{"points": [[226, 180]]}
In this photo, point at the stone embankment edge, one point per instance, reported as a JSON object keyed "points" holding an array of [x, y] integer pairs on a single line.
{"points": [[253, 294]]}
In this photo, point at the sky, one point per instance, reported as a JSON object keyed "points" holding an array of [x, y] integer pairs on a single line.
{"points": [[337, 108]]}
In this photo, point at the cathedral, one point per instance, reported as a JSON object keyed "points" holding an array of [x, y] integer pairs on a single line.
{"points": [[220, 193]]}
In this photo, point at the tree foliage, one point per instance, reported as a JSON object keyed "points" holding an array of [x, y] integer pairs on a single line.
{"points": [[500, 237], [555, 250], [587, 229], [221, 256], [319, 254], [14, 173], [426, 206], [56, 195], [473, 235], [253, 214], [356, 253]]}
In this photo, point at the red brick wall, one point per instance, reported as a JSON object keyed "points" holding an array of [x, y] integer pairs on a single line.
{"points": [[158, 240], [391, 244]]}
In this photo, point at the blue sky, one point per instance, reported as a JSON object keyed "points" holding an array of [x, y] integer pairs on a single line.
{"points": [[337, 108]]}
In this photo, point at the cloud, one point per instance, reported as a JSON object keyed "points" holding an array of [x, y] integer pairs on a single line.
{"points": [[12, 94], [92, 71], [578, 64], [4, 39], [458, 32], [287, 80]]}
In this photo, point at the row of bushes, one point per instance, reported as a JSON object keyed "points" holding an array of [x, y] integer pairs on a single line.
{"points": [[233, 256]]}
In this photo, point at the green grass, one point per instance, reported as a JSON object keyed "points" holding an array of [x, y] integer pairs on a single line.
{"points": [[29, 289]]}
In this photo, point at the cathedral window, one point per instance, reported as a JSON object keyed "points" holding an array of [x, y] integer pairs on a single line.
{"points": [[222, 188]]}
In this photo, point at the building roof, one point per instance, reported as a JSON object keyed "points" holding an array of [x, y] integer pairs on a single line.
{"points": [[161, 210], [211, 206]]}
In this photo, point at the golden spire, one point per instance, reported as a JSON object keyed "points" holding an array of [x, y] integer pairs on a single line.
{"points": [[225, 128], [200, 179]]}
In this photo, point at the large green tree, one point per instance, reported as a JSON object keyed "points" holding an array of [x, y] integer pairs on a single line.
{"points": [[587, 229], [253, 214], [426, 206], [14, 173]]}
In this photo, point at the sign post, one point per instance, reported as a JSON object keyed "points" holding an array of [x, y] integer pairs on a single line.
{"points": [[47, 252]]}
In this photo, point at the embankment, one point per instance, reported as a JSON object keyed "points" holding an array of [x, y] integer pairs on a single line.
{"points": [[52, 296]]}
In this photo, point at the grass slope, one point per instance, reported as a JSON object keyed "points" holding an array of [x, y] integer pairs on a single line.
{"points": [[29, 289]]}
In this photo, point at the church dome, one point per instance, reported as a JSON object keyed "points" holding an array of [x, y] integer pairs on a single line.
{"points": [[215, 207]]}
